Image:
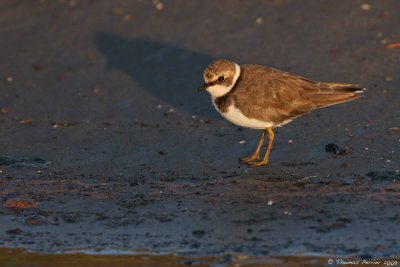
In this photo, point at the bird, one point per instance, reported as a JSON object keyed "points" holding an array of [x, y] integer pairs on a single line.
{"points": [[260, 97]]}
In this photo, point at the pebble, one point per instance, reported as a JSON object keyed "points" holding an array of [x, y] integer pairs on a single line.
{"points": [[365, 7], [9, 79], [242, 142], [336, 149], [384, 41], [259, 20], [127, 17], [159, 6]]}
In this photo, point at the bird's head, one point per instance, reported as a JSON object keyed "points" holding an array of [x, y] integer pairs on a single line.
{"points": [[220, 77]]}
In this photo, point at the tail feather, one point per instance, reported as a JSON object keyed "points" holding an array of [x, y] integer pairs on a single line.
{"points": [[346, 87], [335, 93]]}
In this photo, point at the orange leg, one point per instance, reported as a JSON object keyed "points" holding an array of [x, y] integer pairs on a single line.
{"points": [[256, 155], [265, 159]]}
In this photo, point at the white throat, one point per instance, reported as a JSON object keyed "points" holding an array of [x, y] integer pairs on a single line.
{"points": [[220, 90]]}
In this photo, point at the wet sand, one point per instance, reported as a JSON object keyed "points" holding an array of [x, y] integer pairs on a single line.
{"points": [[105, 145]]}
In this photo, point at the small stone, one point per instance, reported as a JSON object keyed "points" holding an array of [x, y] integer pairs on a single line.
{"points": [[384, 41], [127, 17], [242, 142], [96, 91], [365, 7], [259, 20], [333, 148], [9, 79], [4, 111], [159, 6], [290, 141], [159, 106], [25, 121], [388, 78], [270, 202]]}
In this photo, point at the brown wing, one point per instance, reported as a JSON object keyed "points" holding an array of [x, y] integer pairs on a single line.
{"points": [[272, 95]]}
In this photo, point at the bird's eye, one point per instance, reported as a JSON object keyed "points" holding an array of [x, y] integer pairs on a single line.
{"points": [[221, 78]]}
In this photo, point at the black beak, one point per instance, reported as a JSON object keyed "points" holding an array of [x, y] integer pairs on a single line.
{"points": [[202, 88], [205, 86]]}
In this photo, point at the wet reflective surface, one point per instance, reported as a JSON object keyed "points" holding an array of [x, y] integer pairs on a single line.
{"points": [[19, 258]]}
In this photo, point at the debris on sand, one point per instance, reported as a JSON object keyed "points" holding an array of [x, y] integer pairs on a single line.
{"points": [[394, 130], [393, 46], [127, 17], [333, 148], [24, 121], [19, 204], [365, 7], [64, 124], [158, 5], [4, 111]]}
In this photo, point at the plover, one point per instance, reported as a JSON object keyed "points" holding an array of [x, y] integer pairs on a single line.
{"points": [[260, 97]]}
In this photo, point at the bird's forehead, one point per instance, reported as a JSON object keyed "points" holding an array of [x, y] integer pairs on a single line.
{"points": [[218, 67]]}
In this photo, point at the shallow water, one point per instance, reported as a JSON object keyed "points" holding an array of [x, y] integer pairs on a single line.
{"points": [[19, 258], [117, 258]]}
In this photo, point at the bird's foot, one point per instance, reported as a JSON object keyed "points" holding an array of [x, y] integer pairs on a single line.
{"points": [[258, 163], [250, 159]]}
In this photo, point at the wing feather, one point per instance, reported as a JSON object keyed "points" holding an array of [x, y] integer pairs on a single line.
{"points": [[269, 94]]}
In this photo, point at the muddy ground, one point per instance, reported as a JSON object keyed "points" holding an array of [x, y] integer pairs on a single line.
{"points": [[105, 145]]}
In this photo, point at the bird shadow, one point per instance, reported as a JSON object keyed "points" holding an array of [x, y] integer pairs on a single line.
{"points": [[168, 72]]}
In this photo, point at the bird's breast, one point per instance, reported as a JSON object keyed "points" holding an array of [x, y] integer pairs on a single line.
{"points": [[229, 111]]}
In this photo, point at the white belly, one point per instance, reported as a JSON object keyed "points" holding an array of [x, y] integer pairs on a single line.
{"points": [[235, 116]]}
